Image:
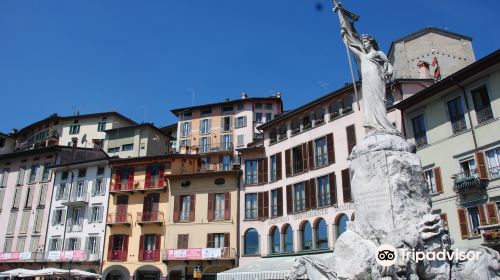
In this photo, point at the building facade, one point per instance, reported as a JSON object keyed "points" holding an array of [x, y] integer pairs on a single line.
{"points": [[454, 125], [136, 141]]}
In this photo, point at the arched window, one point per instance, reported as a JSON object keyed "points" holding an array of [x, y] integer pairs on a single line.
{"points": [[321, 234], [288, 232], [275, 239], [251, 242], [342, 224], [306, 236]]}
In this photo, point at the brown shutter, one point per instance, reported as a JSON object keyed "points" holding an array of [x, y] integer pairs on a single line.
{"points": [[351, 138], [278, 166], [141, 248], [330, 148], [176, 208], [260, 205], [211, 203], [481, 166], [260, 171], [346, 185], [125, 248], [227, 243], [131, 178], [312, 193], [482, 216], [265, 177], [192, 207], [157, 247], [118, 183], [161, 180], [307, 195], [437, 178], [287, 163], [462, 221], [289, 200], [444, 217], [333, 188], [280, 201], [210, 240], [266, 204], [491, 213], [148, 177], [227, 206], [311, 154], [304, 156], [110, 248]]}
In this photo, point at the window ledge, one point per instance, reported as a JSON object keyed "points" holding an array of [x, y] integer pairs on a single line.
{"points": [[485, 122], [342, 115], [257, 255]]}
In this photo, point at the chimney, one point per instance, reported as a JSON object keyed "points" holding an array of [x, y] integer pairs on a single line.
{"points": [[278, 94], [244, 95], [423, 69]]}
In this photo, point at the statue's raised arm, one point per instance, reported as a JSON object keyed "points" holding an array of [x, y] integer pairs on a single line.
{"points": [[349, 34]]}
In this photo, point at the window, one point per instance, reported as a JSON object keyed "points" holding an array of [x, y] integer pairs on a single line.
{"points": [[25, 218], [100, 170], [226, 124], [96, 213], [227, 109], [306, 122], [182, 241], [17, 197], [187, 115], [240, 140], [11, 226], [473, 220], [258, 105], [21, 241], [319, 116], [185, 207], [7, 246], [269, 117], [55, 244], [217, 240], [251, 172], [58, 216], [258, 117], [321, 152], [482, 104], [127, 147], [306, 241], [419, 131], [241, 122], [226, 142], [335, 109], [240, 106], [98, 188], [204, 144], [33, 173], [206, 112], [219, 206], [34, 243], [82, 173], [456, 113], [205, 126], [468, 168], [351, 138], [431, 180], [73, 244], [38, 220], [76, 219], [119, 247], [226, 163], [299, 197], [62, 191], [288, 239], [342, 224], [297, 159], [274, 202], [251, 242], [114, 150], [493, 157], [20, 175], [45, 173], [251, 206], [74, 128], [323, 191], [92, 246], [101, 126], [2, 196], [29, 197], [185, 129], [5, 178], [274, 172], [321, 235], [275, 239]]}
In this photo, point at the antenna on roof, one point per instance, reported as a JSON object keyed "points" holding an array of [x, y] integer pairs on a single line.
{"points": [[192, 91]]}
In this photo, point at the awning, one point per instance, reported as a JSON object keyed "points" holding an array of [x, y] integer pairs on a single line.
{"points": [[266, 268], [14, 272]]}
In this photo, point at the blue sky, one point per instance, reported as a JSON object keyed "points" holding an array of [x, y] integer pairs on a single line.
{"points": [[140, 57]]}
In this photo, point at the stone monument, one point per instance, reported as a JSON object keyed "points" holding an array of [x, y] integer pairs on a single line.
{"points": [[391, 199]]}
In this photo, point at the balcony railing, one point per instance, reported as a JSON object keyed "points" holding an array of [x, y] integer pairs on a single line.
{"points": [[494, 172], [117, 255], [119, 219], [137, 185], [154, 217], [78, 199], [149, 255], [51, 139], [484, 114], [75, 227], [421, 140], [490, 233], [458, 125], [225, 253], [468, 181], [51, 256]]}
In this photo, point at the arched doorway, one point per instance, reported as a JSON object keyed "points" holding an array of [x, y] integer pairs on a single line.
{"points": [[321, 234], [306, 236], [148, 272], [116, 272]]}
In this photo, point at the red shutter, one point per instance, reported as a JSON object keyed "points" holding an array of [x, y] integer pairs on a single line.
{"points": [[148, 177], [141, 248], [110, 248], [312, 193], [311, 154], [444, 217], [287, 163], [266, 205], [157, 247], [491, 213], [333, 188], [346, 185], [482, 216], [351, 138], [278, 166], [125, 248], [462, 221], [227, 240], [211, 203], [280, 201], [308, 195], [437, 178], [192, 207], [481, 166], [210, 240], [161, 180], [289, 200], [118, 183], [331, 148], [131, 179], [227, 206], [176, 208], [304, 156]]}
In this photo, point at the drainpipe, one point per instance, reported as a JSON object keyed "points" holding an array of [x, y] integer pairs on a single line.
{"points": [[50, 206], [468, 111], [238, 202], [105, 217], [67, 209]]}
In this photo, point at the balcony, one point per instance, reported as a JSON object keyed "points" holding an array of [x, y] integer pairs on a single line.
{"points": [[119, 219], [225, 253], [50, 139], [458, 125], [117, 255], [154, 217], [490, 234], [484, 114], [149, 255], [75, 227], [51, 256], [214, 148], [138, 185], [468, 181], [77, 199]]}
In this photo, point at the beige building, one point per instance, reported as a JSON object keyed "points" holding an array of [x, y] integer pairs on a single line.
{"points": [[454, 125]]}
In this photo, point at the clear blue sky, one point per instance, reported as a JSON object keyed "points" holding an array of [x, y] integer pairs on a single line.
{"points": [[140, 57]]}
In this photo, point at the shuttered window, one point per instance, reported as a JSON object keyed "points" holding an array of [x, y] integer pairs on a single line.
{"points": [[351, 138], [263, 205], [25, 218], [12, 223], [2, 195], [262, 171], [20, 175], [34, 243], [29, 197], [38, 220], [17, 197], [346, 185], [182, 241], [251, 206], [4, 178], [43, 195], [277, 202], [7, 246]]}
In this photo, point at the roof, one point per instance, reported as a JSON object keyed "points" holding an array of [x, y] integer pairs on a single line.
{"points": [[6, 135], [306, 106], [38, 151], [452, 80], [115, 160], [427, 30], [225, 103], [150, 125]]}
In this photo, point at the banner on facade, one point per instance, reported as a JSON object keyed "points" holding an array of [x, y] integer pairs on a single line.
{"points": [[9, 256], [194, 254], [211, 253], [25, 256], [53, 255]]}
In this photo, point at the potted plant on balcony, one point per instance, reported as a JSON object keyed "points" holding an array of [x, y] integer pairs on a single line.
{"points": [[334, 114]]}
